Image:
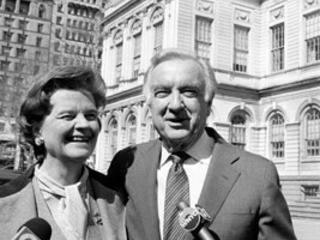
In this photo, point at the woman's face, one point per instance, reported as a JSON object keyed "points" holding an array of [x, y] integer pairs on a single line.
{"points": [[70, 131]]}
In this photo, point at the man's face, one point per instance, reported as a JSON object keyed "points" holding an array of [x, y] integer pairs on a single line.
{"points": [[177, 103]]}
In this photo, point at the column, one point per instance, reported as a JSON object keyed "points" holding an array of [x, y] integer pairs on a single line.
{"points": [[292, 148], [17, 7], [3, 4]]}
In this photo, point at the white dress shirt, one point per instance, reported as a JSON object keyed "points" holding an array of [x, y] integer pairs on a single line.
{"points": [[196, 170]]}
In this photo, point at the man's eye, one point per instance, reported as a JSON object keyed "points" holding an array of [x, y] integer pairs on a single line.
{"points": [[161, 93], [190, 93]]}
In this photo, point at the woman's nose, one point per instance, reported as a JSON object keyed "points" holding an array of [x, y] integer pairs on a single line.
{"points": [[81, 121]]}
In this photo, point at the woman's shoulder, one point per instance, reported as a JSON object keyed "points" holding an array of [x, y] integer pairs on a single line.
{"points": [[16, 184]]}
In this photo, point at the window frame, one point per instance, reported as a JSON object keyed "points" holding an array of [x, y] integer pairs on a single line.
{"points": [[277, 51], [203, 39], [240, 49]]}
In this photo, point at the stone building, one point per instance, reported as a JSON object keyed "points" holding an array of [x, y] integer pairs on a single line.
{"points": [[266, 57], [35, 36]]}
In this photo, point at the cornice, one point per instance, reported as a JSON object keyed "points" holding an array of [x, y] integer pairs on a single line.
{"points": [[119, 10], [132, 92], [295, 86], [233, 90]]}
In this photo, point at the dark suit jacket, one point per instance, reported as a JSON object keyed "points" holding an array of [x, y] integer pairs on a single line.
{"points": [[241, 192], [21, 201]]}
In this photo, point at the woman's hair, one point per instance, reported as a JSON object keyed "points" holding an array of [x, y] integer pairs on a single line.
{"points": [[206, 71], [36, 105]]}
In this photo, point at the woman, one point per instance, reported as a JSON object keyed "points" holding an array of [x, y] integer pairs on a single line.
{"points": [[59, 118]]}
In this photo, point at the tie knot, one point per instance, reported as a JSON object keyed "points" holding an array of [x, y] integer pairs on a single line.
{"points": [[179, 157]]}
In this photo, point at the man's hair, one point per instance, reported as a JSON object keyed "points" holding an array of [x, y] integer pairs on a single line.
{"points": [[36, 105], [206, 71]]}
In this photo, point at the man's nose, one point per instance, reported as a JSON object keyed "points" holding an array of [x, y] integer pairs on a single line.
{"points": [[176, 101]]}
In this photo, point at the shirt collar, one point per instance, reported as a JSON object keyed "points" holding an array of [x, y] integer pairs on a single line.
{"points": [[202, 149]]}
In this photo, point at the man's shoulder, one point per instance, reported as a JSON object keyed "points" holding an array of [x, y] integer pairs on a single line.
{"points": [[136, 149]]}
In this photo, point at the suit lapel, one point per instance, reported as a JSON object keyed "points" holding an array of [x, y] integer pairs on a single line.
{"points": [[147, 190], [220, 178]]}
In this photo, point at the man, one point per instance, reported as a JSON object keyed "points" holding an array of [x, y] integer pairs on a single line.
{"points": [[239, 190]]}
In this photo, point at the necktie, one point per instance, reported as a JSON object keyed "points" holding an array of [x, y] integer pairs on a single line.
{"points": [[177, 190]]}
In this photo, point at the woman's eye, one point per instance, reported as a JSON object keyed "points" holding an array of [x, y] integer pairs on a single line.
{"points": [[67, 116], [92, 116]]}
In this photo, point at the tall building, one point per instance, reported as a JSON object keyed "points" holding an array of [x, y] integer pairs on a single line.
{"points": [[266, 57], [35, 36]]}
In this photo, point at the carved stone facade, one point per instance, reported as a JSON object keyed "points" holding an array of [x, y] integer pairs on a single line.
{"points": [[268, 99]]}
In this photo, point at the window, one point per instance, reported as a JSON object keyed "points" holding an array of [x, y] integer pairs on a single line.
{"points": [[59, 20], [8, 21], [277, 51], [277, 136], [136, 54], [38, 41], [313, 132], [66, 48], [113, 135], [118, 52], [2, 126], [158, 35], [59, 7], [10, 6], [4, 65], [21, 38], [5, 50], [131, 128], [24, 7], [240, 62], [42, 11], [7, 36], [23, 24], [238, 130], [56, 46], [118, 61], [313, 37], [56, 60], [40, 28], [18, 67], [58, 33], [37, 55], [157, 22], [21, 52], [36, 69], [203, 37]]}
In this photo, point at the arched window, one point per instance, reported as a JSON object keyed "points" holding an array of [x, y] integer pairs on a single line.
{"points": [[113, 135], [42, 11], [238, 130], [157, 23], [312, 132], [277, 136], [131, 129]]}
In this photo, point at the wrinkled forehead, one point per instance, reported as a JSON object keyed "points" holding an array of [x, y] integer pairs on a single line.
{"points": [[178, 73]]}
